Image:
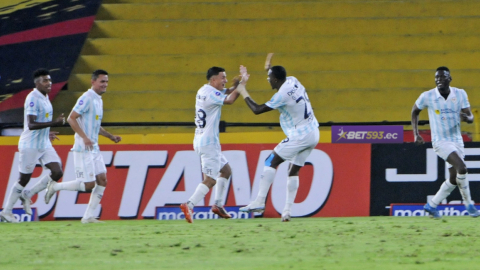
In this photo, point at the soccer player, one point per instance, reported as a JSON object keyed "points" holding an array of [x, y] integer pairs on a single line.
{"points": [[216, 171], [447, 107], [91, 173], [299, 125], [35, 145]]}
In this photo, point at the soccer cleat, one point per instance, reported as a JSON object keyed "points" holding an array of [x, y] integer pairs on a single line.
{"points": [[220, 211], [187, 212], [50, 191], [472, 211], [8, 217], [432, 211], [26, 202], [286, 216], [253, 207], [91, 220]]}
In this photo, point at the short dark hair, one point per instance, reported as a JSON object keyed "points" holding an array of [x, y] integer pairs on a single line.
{"points": [[98, 72], [40, 72], [214, 71], [443, 68], [279, 72]]}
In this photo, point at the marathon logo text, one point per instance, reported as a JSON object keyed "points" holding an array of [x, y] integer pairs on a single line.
{"points": [[202, 212], [411, 210]]}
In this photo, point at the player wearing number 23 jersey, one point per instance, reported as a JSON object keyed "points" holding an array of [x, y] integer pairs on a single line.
{"points": [[299, 125]]}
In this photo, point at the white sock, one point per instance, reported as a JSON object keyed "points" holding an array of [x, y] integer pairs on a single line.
{"points": [[265, 183], [464, 187], [39, 186], [292, 187], [442, 193], [70, 185], [95, 198], [220, 189], [198, 195], [13, 197]]}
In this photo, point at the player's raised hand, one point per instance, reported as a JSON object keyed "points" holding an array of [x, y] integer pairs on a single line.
{"points": [[53, 135], [419, 139], [268, 61], [60, 120], [245, 75], [236, 80]]}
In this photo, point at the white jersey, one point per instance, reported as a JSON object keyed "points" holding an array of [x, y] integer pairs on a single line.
{"points": [[90, 108], [296, 114], [39, 105], [208, 109], [444, 115]]}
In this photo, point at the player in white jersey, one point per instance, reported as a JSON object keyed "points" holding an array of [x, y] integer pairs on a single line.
{"points": [[208, 107], [91, 173], [447, 107], [299, 125], [35, 145]]}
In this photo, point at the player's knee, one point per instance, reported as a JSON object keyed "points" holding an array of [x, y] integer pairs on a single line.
{"points": [[462, 169], [56, 175]]}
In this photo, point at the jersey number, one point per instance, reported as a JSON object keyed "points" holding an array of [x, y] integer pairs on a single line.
{"points": [[201, 118], [307, 114]]}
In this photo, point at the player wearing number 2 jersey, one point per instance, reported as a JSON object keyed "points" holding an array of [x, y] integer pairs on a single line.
{"points": [[299, 124], [208, 108]]}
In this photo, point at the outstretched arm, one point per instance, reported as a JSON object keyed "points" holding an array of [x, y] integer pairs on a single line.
{"points": [[256, 109], [417, 137]]}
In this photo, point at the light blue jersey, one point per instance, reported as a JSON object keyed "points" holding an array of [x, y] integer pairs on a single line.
{"points": [[296, 114], [90, 108], [444, 115], [39, 105], [208, 109]]}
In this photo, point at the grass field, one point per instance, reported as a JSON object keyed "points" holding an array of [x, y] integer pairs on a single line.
{"points": [[304, 243]]}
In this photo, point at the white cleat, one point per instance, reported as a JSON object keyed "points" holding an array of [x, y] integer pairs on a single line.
{"points": [[8, 217], [50, 191], [286, 216], [253, 207], [26, 202], [91, 220]]}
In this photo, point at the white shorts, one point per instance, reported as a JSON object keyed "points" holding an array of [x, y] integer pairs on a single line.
{"points": [[212, 159], [297, 151], [445, 148], [30, 156], [88, 165]]}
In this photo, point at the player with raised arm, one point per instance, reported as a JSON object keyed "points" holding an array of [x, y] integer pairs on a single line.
{"points": [[216, 171], [91, 173], [299, 125], [35, 145], [447, 107]]}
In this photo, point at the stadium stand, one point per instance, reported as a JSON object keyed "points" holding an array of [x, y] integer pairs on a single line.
{"points": [[361, 61]]}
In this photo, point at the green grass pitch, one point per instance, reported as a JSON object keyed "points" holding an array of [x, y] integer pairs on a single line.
{"points": [[262, 243]]}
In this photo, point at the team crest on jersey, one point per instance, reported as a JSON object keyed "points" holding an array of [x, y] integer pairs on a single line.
{"points": [[217, 93], [80, 102], [31, 104], [454, 100]]}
